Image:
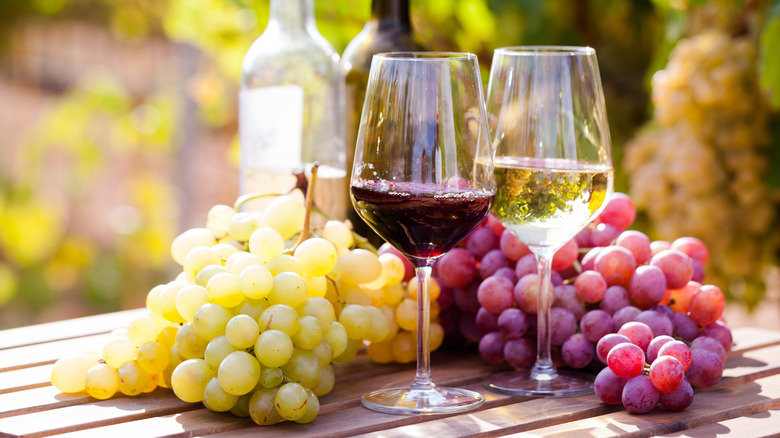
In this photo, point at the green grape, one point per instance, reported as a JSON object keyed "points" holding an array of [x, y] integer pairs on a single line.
{"points": [[316, 286], [118, 351], [406, 314], [356, 321], [284, 263], [289, 289], [186, 241], [284, 214], [189, 299], [205, 274], [320, 308], [323, 352], [223, 289], [242, 225], [216, 351], [152, 357], [142, 330], [359, 266], [241, 408], [310, 333], [167, 335], [238, 373], [279, 317], [303, 367], [270, 377], [241, 260], [167, 301], [217, 399], [273, 348], [393, 268], [393, 294], [379, 326], [242, 331], [336, 335], [132, 379], [173, 361], [101, 381], [266, 243], [312, 408], [153, 299], [262, 409], [352, 347], [253, 308], [317, 256], [225, 250], [210, 321], [190, 378], [198, 258], [338, 233], [326, 381], [189, 345], [152, 382], [69, 373], [291, 401], [218, 219], [256, 282]]}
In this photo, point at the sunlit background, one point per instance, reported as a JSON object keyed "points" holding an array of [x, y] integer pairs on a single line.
{"points": [[118, 126]]}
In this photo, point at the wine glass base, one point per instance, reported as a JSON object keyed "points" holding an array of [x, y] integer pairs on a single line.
{"points": [[520, 383], [438, 400]]}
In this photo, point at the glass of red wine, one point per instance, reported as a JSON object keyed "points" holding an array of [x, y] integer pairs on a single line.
{"points": [[554, 175], [423, 180]]}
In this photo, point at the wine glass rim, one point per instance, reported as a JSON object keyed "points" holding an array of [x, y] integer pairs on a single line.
{"points": [[546, 50], [426, 56]]}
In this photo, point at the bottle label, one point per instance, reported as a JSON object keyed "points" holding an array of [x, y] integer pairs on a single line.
{"points": [[271, 128]]}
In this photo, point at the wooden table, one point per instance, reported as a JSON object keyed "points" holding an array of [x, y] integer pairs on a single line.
{"points": [[746, 403]]}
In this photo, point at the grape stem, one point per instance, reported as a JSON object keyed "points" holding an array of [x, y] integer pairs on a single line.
{"points": [[309, 204]]}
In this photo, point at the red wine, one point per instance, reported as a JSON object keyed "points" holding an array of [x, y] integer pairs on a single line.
{"points": [[420, 220]]}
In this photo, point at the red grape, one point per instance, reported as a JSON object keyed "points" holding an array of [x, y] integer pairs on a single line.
{"points": [[512, 246], [519, 352], [512, 323], [609, 387], [596, 324], [719, 331], [480, 241], [711, 344], [706, 368], [639, 333], [562, 325], [638, 243], [626, 360], [647, 287], [496, 294], [457, 268], [693, 248], [614, 299], [566, 297], [527, 293], [491, 347], [616, 264], [684, 327], [666, 373], [604, 235], [486, 321], [491, 262], [655, 346], [679, 351], [606, 343], [577, 351], [526, 265], [707, 305], [566, 255], [659, 323], [639, 395], [680, 299], [676, 266], [590, 286], [619, 212], [623, 316], [678, 399]]}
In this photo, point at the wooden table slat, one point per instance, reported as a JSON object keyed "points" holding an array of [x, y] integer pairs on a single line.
{"points": [[29, 406]]}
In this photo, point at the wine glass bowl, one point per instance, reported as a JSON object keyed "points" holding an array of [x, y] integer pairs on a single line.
{"points": [[423, 180], [553, 172]]}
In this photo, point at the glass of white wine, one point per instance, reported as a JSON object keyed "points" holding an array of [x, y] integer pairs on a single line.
{"points": [[554, 175]]}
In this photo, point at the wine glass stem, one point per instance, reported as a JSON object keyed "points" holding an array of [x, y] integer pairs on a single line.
{"points": [[544, 369], [422, 381]]}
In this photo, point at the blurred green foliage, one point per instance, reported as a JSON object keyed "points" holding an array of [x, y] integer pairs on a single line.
{"points": [[50, 254]]}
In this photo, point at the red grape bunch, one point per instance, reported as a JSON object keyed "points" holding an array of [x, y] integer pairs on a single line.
{"points": [[613, 287]]}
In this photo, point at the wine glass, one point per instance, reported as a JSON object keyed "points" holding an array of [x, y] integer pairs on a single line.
{"points": [[554, 175], [423, 180]]}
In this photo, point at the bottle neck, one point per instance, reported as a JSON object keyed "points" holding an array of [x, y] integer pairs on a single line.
{"points": [[391, 13], [292, 15]]}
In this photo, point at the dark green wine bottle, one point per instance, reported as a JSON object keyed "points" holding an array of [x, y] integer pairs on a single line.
{"points": [[388, 30]]}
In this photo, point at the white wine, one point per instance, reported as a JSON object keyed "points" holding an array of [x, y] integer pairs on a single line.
{"points": [[546, 202]]}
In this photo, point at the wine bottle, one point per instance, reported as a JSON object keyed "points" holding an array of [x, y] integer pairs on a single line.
{"points": [[291, 109], [388, 30]]}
